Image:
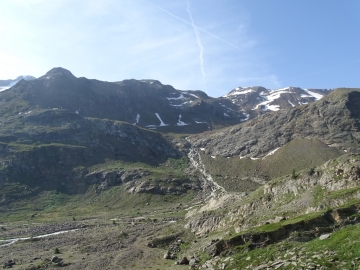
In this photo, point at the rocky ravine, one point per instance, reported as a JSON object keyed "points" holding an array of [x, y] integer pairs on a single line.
{"points": [[209, 187]]}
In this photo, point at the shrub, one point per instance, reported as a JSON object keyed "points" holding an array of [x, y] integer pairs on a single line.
{"points": [[294, 175]]}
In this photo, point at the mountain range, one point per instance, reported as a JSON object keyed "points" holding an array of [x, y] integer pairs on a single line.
{"points": [[249, 180], [150, 104]]}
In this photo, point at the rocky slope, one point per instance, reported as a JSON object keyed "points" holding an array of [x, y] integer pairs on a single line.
{"points": [[330, 185], [334, 120], [289, 210], [145, 103]]}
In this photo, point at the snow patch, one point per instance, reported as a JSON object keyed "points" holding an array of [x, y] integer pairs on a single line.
{"points": [[271, 152], [271, 108], [137, 119], [284, 89], [315, 95], [225, 114], [239, 91], [198, 122], [181, 123], [191, 94], [202, 149], [274, 94], [179, 104], [194, 95], [253, 158], [213, 156], [291, 103], [247, 116], [180, 97], [162, 124]]}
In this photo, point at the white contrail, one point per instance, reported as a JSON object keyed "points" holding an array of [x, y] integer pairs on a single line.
{"points": [[201, 29], [198, 40]]}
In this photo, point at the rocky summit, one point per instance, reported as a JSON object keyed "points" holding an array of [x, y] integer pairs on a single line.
{"points": [[135, 174]]}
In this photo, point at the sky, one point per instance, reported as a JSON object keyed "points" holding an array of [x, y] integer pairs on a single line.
{"points": [[209, 45]]}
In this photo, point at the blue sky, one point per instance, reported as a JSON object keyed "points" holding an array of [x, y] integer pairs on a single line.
{"points": [[209, 45]]}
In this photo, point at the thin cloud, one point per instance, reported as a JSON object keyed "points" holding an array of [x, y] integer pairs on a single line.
{"points": [[201, 29], [130, 41], [198, 40]]}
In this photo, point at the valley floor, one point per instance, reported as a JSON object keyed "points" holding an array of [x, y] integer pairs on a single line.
{"points": [[89, 244]]}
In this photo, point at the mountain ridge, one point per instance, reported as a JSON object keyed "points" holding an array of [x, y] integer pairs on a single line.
{"points": [[179, 108]]}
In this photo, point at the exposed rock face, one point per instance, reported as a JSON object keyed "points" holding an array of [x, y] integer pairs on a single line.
{"points": [[333, 120], [163, 186], [108, 179]]}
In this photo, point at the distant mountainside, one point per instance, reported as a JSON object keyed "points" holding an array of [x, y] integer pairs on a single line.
{"points": [[145, 103], [6, 84], [333, 120], [150, 104], [256, 100]]}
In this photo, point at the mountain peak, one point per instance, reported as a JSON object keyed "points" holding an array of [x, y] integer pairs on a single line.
{"points": [[57, 73]]}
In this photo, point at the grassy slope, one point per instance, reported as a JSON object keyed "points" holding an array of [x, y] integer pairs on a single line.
{"points": [[236, 174], [116, 200], [344, 244]]}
